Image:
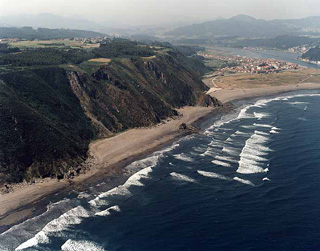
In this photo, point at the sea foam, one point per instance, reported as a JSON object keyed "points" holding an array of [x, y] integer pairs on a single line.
{"points": [[109, 211], [221, 163], [72, 217], [183, 157], [243, 181], [81, 245], [182, 177], [254, 147], [213, 175]]}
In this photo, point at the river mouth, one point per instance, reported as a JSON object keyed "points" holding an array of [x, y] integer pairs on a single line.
{"points": [[265, 54]]}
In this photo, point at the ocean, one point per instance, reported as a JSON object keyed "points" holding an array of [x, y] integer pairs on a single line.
{"points": [[249, 181]]}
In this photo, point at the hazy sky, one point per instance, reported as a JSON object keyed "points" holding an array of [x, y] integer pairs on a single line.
{"points": [[138, 12]]}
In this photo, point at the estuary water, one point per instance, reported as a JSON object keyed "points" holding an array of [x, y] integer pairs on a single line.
{"points": [[267, 54], [249, 181]]}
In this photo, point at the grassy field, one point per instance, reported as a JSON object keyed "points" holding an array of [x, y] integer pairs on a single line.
{"points": [[101, 60], [262, 80], [58, 43], [147, 58], [94, 64]]}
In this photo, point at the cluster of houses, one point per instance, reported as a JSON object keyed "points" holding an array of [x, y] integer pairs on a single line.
{"points": [[251, 65], [300, 49], [90, 40]]}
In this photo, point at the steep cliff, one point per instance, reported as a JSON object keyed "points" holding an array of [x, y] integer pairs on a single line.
{"points": [[48, 115]]}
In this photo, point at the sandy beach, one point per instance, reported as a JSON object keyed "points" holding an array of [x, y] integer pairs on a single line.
{"points": [[111, 155], [228, 95]]}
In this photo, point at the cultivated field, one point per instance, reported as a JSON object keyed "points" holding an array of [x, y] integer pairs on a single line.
{"points": [[57, 43], [101, 60]]}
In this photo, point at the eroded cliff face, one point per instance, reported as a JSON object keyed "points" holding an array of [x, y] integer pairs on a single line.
{"points": [[43, 129], [79, 89], [49, 115]]}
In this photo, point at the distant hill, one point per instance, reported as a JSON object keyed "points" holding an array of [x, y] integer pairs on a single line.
{"points": [[280, 42], [309, 24], [312, 55], [43, 33], [248, 27], [242, 26], [51, 21]]}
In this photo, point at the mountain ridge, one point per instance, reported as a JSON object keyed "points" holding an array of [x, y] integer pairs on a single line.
{"points": [[247, 26]]}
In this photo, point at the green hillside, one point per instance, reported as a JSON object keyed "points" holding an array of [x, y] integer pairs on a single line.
{"points": [[49, 112]]}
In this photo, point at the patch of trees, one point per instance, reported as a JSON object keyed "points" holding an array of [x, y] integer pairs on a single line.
{"points": [[122, 47], [29, 33], [189, 50], [5, 49], [45, 57]]}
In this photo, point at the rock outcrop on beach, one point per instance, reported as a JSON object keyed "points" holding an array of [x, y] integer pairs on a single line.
{"points": [[49, 114]]}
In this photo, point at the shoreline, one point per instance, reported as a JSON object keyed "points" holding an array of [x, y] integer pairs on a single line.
{"points": [[32, 200], [28, 201], [233, 95]]}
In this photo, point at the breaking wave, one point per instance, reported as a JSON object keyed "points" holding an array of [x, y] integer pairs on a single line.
{"points": [[254, 146], [221, 163], [243, 181], [213, 175], [183, 157], [76, 215], [243, 146], [75, 245], [182, 177]]}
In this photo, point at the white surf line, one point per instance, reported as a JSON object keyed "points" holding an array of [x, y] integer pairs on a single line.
{"points": [[239, 133], [210, 152], [213, 175], [109, 211], [275, 130], [182, 177], [250, 155], [298, 103], [221, 163], [231, 150], [243, 181], [260, 103], [262, 125], [76, 215], [247, 126], [56, 226], [226, 158], [261, 115], [216, 144], [223, 177], [253, 146], [262, 133], [81, 245], [183, 157], [199, 149]]}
